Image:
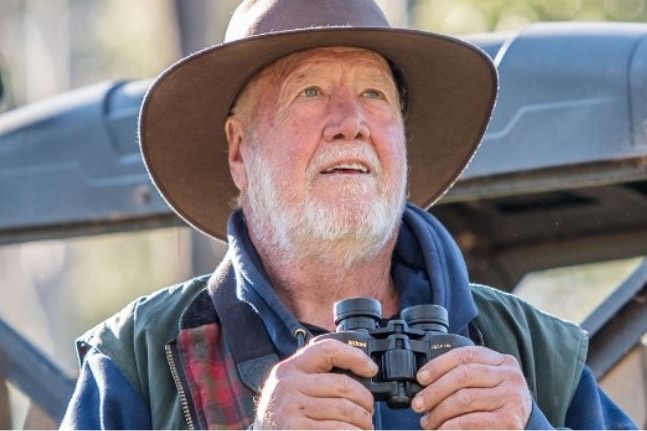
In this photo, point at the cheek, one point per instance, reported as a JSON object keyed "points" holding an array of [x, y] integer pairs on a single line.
{"points": [[393, 148], [299, 137], [286, 160]]}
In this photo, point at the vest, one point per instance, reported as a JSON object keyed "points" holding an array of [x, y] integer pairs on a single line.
{"points": [[187, 376]]}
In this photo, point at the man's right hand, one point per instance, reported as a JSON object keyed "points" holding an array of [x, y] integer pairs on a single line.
{"points": [[302, 391]]}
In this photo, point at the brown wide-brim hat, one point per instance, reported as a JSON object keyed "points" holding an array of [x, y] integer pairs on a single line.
{"points": [[450, 88]]}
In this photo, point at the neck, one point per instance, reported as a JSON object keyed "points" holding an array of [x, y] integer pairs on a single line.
{"points": [[310, 284]]}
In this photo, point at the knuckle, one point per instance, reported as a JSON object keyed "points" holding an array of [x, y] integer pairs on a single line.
{"points": [[511, 413], [344, 384], [329, 346], [467, 354], [344, 408], [515, 374], [519, 382], [465, 398], [281, 371], [510, 361], [463, 375]]}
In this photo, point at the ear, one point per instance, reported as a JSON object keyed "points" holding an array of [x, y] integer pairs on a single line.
{"points": [[235, 132]]}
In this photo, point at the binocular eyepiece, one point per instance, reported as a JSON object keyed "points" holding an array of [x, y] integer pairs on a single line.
{"points": [[366, 313], [400, 347]]}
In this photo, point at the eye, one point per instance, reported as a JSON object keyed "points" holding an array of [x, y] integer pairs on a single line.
{"points": [[372, 93], [311, 92]]}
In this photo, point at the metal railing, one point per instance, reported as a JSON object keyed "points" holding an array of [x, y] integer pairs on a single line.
{"points": [[33, 373]]}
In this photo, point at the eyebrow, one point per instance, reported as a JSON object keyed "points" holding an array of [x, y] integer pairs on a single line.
{"points": [[383, 78]]}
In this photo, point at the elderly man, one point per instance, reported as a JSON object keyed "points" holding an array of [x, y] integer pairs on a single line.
{"points": [[331, 120]]}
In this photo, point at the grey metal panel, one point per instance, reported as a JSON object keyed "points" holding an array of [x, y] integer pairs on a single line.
{"points": [[564, 98], [75, 160], [71, 165], [638, 100]]}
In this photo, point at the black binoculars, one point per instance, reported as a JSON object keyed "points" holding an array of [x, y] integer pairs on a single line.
{"points": [[400, 347]]}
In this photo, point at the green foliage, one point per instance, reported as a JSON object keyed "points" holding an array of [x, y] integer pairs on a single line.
{"points": [[473, 16]]}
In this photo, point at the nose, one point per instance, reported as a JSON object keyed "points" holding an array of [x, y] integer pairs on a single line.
{"points": [[345, 121]]}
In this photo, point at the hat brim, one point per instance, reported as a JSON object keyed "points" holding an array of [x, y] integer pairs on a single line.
{"points": [[451, 88]]}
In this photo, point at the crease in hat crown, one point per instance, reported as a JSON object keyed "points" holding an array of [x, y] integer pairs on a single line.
{"points": [[451, 87]]}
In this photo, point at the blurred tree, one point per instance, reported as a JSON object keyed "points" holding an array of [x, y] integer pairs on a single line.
{"points": [[472, 16]]}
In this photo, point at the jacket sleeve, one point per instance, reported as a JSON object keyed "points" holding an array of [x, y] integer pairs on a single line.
{"points": [[104, 398], [537, 420], [591, 408]]}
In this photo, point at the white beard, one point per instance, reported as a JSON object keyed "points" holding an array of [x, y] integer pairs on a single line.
{"points": [[349, 230]]}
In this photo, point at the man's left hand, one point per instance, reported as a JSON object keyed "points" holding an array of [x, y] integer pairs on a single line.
{"points": [[473, 387]]}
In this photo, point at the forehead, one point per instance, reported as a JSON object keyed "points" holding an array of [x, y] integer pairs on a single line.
{"points": [[313, 59], [319, 56]]}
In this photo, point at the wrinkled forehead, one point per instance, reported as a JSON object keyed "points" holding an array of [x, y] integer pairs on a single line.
{"points": [[301, 60]]}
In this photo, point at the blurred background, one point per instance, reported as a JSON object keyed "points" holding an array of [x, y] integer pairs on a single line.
{"points": [[51, 46], [52, 291]]}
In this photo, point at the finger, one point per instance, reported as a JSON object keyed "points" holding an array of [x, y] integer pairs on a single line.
{"points": [[460, 377], [338, 409], [442, 364], [481, 420], [284, 405], [325, 425], [463, 402], [330, 385], [324, 355]]}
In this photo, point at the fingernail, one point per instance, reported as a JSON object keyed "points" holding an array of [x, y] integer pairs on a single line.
{"points": [[373, 367], [423, 377], [423, 421], [416, 404]]}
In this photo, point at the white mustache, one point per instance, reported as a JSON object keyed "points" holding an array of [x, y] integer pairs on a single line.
{"points": [[330, 154]]}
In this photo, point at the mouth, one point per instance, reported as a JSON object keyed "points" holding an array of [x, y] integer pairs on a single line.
{"points": [[347, 168]]}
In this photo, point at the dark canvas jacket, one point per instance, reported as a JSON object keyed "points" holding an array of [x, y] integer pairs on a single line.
{"points": [[186, 376], [199, 369]]}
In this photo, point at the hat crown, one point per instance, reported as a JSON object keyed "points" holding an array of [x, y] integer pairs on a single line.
{"points": [[256, 17]]}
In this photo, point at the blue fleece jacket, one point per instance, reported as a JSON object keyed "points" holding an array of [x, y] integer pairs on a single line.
{"points": [[426, 262]]}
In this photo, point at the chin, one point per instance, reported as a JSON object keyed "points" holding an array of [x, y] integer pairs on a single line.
{"points": [[360, 220]]}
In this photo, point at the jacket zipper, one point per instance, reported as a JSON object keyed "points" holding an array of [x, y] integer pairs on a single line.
{"points": [[178, 384]]}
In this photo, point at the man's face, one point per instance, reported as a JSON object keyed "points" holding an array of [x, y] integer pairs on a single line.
{"points": [[323, 157]]}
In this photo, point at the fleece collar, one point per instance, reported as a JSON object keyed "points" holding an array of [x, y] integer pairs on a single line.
{"points": [[427, 267]]}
